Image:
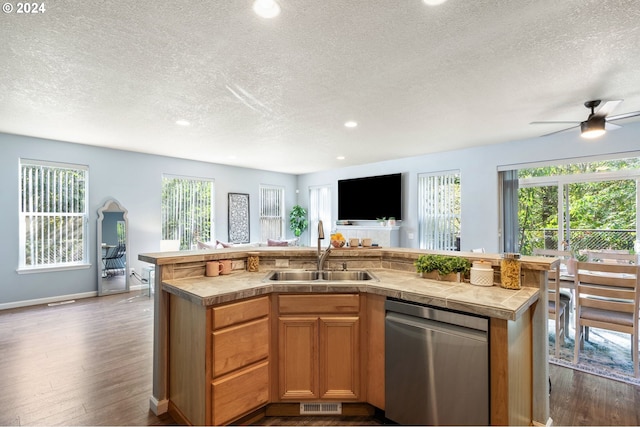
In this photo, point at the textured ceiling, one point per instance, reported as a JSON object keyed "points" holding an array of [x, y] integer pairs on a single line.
{"points": [[274, 94]]}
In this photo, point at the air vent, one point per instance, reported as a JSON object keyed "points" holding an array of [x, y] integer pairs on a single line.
{"points": [[320, 408]]}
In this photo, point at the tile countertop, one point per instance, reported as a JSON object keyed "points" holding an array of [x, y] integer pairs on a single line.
{"points": [[492, 301]]}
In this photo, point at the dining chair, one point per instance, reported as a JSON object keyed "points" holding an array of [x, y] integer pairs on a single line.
{"points": [[619, 257], [607, 298], [559, 300]]}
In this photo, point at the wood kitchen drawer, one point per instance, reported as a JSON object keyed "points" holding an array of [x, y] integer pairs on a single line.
{"points": [[239, 312], [312, 304], [241, 345], [239, 393]]}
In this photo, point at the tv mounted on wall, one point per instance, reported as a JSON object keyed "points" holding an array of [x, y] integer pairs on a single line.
{"points": [[370, 198]]}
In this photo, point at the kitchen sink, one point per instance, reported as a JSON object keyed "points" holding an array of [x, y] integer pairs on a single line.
{"points": [[293, 275], [347, 275], [316, 276]]}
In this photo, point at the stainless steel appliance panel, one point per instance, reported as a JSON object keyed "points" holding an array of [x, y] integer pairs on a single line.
{"points": [[437, 372]]}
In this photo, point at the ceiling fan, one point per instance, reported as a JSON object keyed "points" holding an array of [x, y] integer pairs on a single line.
{"points": [[598, 121]]}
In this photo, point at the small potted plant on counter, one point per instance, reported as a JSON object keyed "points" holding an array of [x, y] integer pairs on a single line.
{"points": [[442, 267]]}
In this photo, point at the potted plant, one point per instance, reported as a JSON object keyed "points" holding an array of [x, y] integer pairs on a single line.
{"points": [[382, 220], [298, 222], [392, 221], [442, 267]]}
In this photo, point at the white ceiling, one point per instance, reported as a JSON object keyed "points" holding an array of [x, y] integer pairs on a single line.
{"points": [[274, 94]]}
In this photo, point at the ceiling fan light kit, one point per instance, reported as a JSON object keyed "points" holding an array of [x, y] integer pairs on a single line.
{"points": [[598, 121], [592, 128]]}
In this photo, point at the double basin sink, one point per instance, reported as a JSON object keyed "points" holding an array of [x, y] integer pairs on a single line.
{"points": [[316, 276]]}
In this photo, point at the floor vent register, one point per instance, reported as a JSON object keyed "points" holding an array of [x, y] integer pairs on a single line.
{"points": [[321, 408]]}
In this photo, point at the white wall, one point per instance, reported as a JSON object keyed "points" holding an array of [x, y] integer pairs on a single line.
{"points": [[131, 178], [479, 177]]}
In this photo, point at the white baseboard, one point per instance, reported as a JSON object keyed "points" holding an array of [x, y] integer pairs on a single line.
{"points": [[59, 298], [48, 300]]}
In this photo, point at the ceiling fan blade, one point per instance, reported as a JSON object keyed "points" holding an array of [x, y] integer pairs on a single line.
{"points": [[611, 126], [606, 108], [624, 116], [559, 131], [551, 123]]}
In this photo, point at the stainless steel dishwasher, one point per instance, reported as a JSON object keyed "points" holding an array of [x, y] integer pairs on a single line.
{"points": [[436, 366]]}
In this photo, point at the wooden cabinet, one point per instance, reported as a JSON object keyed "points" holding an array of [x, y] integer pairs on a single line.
{"points": [[319, 347], [240, 359], [219, 360]]}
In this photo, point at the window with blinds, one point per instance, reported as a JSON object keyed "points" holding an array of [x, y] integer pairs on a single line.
{"points": [[53, 214], [187, 210], [439, 210], [319, 209], [271, 212]]}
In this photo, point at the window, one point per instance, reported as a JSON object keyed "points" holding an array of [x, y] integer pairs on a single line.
{"points": [[581, 206], [53, 215], [187, 210], [439, 210], [319, 209], [271, 212]]}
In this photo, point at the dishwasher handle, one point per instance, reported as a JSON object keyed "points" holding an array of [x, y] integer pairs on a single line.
{"points": [[427, 324]]}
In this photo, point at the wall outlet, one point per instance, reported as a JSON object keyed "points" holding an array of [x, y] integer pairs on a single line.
{"points": [[132, 271], [410, 236]]}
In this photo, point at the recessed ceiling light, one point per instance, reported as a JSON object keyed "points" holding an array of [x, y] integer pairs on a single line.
{"points": [[351, 124], [340, 157], [182, 122], [266, 8], [434, 2]]}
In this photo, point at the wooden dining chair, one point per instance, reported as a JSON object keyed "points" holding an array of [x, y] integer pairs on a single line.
{"points": [[559, 303], [617, 257], [607, 298]]}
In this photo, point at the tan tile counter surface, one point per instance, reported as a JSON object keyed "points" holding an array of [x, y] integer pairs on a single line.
{"points": [[487, 301]]}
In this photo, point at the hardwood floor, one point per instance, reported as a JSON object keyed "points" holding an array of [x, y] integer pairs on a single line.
{"points": [[85, 363], [89, 363], [581, 399]]}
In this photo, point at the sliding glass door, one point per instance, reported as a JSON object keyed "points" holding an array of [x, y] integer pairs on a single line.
{"points": [[578, 212]]}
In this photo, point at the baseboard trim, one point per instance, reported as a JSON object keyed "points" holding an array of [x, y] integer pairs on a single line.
{"points": [[48, 300]]}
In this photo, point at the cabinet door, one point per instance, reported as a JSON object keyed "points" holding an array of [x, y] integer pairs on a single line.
{"points": [[339, 357], [298, 358]]}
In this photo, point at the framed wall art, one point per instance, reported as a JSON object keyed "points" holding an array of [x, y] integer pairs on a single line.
{"points": [[238, 218]]}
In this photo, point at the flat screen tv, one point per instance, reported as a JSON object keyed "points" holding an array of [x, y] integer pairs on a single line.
{"points": [[370, 198]]}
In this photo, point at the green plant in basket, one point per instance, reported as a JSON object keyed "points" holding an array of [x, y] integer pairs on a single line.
{"points": [[444, 264]]}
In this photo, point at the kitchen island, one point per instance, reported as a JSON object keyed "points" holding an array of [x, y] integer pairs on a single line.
{"points": [[230, 346]]}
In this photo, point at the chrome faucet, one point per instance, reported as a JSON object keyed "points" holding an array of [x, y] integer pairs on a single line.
{"points": [[322, 257]]}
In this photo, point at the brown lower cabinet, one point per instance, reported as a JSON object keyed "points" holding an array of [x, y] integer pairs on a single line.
{"points": [[229, 360], [319, 347]]}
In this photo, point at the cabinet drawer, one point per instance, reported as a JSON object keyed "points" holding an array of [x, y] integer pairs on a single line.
{"points": [[318, 304], [240, 345], [237, 394], [239, 312]]}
